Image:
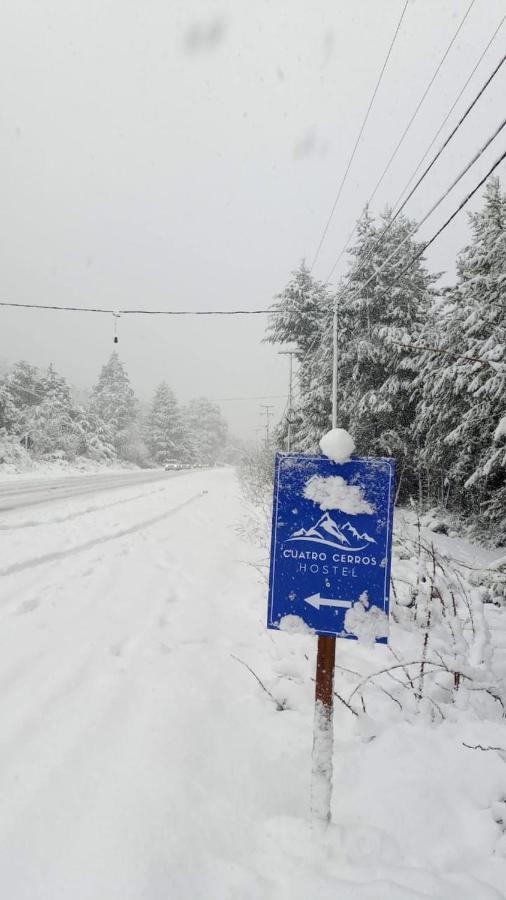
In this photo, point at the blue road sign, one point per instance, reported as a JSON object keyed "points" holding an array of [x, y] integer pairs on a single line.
{"points": [[331, 545]]}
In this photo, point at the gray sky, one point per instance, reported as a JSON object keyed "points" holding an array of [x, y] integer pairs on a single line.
{"points": [[186, 153]]}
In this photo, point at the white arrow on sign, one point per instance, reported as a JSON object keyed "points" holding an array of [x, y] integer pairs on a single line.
{"points": [[316, 601]]}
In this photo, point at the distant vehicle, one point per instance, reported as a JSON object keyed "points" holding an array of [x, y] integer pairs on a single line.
{"points": [[172, 464]]}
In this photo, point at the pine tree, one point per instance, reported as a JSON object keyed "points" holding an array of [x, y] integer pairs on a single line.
{"points": [[380, 315], [463, 386], [20, 390], [52, 424], [207, 431], [96, 437], [299, 316], [113, 402], [8, 408], [166, 435]]}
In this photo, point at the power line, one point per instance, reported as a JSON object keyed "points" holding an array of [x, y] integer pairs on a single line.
{"points": [[459, 208], [448, 114], [360, 133], [427, 170], [428, 243], [246, 312], [417, 227], [410, 122], [142, 312], [425, 245], [234, 399]]}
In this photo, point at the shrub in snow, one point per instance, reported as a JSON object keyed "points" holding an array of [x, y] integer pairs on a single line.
{"points": [[442, 657], [256, 475], [13, 456]]}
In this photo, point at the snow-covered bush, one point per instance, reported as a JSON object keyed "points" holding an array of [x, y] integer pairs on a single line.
{"points": [[13, 456], [256, 475], [441, 655]]}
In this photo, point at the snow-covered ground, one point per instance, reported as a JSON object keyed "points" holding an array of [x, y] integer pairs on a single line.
{"points": [[35, 469], [19, 492], [141, 758]]}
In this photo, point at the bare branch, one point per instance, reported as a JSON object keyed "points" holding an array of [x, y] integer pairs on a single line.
{"points": [[480, 747], [279, 706]]}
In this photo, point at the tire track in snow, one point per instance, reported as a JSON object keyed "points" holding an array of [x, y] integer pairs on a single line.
{"points": [[76, 515], [95, 542]]}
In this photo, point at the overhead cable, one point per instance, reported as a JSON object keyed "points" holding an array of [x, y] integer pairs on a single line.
{"points": [[422, 248], [448, 114], [360, 133], [410, 122], [142, 312], [254, 312], [431, 240], [433, 208], [429, 167]]}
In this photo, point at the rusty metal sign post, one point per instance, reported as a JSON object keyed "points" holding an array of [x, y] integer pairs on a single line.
{"points": [[330, 568]]}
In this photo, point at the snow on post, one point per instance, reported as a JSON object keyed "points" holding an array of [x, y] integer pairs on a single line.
{"points": [[338, 445]]}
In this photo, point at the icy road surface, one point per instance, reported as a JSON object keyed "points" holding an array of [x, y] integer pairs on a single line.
{"points": [[141, 760]]}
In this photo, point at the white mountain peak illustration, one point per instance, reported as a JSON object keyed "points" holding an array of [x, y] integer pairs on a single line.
{"points": [[327, 531]]}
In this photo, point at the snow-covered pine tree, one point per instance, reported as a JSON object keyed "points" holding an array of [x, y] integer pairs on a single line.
{"points": [[20, 389], [52, 425], [463, 386], [166, 435], [299, 313], [8, 408], [113, 402], [377, 322], [96, 437], [207, 431]]}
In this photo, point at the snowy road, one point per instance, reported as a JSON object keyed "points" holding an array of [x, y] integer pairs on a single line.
{"points": [[118, 766], [140, 759], [20, 493]]}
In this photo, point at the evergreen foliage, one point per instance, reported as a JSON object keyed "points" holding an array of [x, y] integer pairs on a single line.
{"points": [[207, 431], [421, 375], [299, 320], [166, 434], [51, 426], [114, 404], [462, 387]]}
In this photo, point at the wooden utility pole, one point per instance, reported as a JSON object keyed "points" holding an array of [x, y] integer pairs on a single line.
{"points": [[289, 421], [267, 413]]}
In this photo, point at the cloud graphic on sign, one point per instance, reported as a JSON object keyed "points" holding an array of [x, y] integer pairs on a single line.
{"points": [[334, 492]]}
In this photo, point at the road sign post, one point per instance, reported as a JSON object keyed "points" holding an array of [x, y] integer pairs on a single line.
{"points": [[330, 570]]}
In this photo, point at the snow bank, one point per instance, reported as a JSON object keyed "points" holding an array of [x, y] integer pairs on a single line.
{"points": [[338, 445], [334, 492], [27, 467]]}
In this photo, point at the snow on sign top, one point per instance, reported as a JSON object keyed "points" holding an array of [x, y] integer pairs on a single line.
{"points": [[331, 545]]}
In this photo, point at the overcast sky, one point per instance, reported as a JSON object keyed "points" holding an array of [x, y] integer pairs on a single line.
{"points": [[185, 154]]}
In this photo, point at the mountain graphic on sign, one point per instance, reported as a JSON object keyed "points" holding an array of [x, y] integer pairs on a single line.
{"points": [[327, 531]]}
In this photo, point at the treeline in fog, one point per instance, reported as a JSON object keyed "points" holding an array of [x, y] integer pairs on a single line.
{"points": [[39, 415]]}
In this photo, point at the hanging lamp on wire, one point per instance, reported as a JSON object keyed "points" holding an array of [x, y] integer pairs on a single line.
{"points": [[115, 317]]}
